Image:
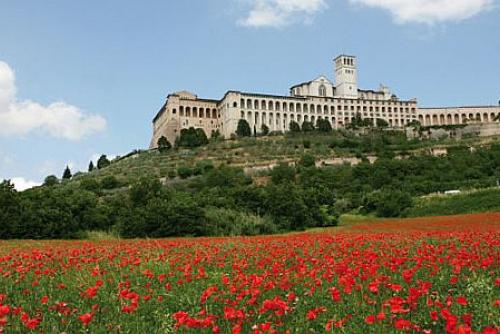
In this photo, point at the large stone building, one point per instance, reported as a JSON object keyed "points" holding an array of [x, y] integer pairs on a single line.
{"points": [[309, 101]]}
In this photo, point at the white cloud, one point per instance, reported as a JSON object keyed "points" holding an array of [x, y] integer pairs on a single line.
{"points": [[279, 13], [429, 11], [58, 119], [21, 183]]}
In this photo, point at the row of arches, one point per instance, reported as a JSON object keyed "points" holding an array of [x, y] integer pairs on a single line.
{"points": [[312, 108], [196, 112], [281, 121], [454, 119]]}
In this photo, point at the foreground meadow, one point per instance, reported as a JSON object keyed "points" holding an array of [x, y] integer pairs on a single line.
{"points": [[436, 275]]}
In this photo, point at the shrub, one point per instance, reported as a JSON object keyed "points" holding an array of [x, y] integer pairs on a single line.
{"points": [[184, 172], [294, 127], [109, 182], [282, 173], [264, 129], [228, 222], [163, 144], [307, 160], [307, 126], [323, 125], [243, 129]]}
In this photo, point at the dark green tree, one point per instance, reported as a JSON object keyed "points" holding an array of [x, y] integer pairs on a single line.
{"points": [[264, 129], [10, 213], [382, 123], [51, 181], [294, 127], [110, 182], [103, 162], [192, 138], [201, 137], [91, 166], [282, 173], [324, 125], [243, 129], [307, 160], [307, 126], [67, 174], [215, 134], [163, 144]]}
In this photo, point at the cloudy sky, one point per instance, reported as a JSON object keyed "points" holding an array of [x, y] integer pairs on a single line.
{"points": [[81, 78]]}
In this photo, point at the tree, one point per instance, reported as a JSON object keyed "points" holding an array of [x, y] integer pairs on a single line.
{"points": [[192, 138], [201, 137], [67, 174], [50, 181], [110, 182], [282, 173], [324, 125], [91, 166], [294, 127], [243, 129], [215, 134], [359, 122], [11, 209], [264, 129], [382, 123], [103, 162], [307, 160], [163, 144], [307, 126]]}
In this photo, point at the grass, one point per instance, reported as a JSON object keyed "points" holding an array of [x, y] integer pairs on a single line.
{"points": [[486, 200]]}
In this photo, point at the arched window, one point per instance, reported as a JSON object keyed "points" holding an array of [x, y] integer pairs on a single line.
{"points": [[322, 90], [235, 104], [181, 110]]}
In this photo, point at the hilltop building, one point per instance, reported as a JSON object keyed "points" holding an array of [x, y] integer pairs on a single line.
{"points": [[320, 98]]}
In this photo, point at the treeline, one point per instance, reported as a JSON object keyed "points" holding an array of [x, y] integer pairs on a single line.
{"points": [[224, 201]]}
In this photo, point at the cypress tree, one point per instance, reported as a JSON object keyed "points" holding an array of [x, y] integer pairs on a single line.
{"points": [[67, 174]]}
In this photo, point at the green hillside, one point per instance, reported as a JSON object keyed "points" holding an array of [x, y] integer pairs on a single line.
{"points": [[252, 186], [257, 154]]}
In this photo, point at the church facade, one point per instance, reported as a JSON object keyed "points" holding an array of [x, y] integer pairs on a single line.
{"points": [[317, 99]]}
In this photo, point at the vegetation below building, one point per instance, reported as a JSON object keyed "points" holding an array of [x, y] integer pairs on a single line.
{"points": [[218, 189]]}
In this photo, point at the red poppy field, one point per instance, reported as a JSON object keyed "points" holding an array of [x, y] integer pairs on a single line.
{"points": [[426, 275]]}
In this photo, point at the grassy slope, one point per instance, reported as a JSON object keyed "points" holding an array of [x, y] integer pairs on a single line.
{"points": [[250, 152], [470, 202]]}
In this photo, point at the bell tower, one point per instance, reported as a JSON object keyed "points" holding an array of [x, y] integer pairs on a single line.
{"points": [[346, 77]]}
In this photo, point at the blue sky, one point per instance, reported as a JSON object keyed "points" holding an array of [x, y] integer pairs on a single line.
{"points": [[81, 78]]}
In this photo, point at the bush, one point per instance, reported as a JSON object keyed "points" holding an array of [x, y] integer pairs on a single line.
{"points": [[307, 126], [163, 144], [109, 182], [192, 138], [307, 160], [264, 130], [282, 173], [389, 203], [294, 127], [243, 129], [185, 172], [324, 125], [228, 222], [90, 184]]}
